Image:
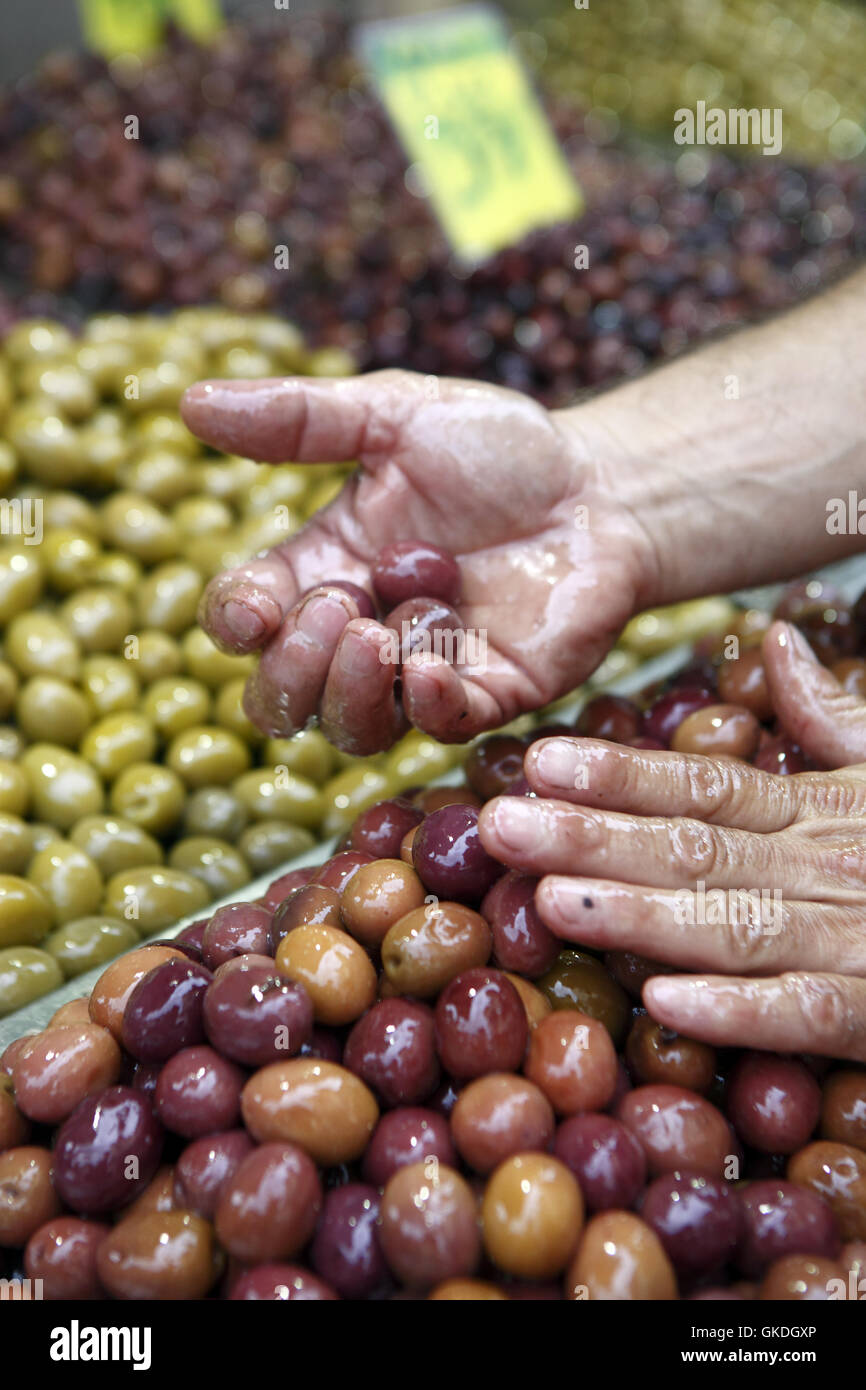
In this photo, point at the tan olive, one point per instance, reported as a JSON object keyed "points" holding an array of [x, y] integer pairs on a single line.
{"points": [[68, 878], [117, 570], [531, 1216], [110, 684], [466, 1291], [8, 688], [168, 598], [37, 644], [149, 795], [76, 1011], [215, 811], [161, 1255], [430, 945], [157, 1196], [14, 788], [68, 557], [110, 994], [117, 741], [219, 866], [718, 730], [319, 1105], [620, 1257], [207, 663], [87, 942], [63, 787], [376, 897], [26, 973], [309, 754], [270, 794], [14, 1128], [115, 844], [26, 914], [16, 844], [160, 474], [202, 516], [60, 1067], [22, 576], [229, 712], [99, 618], [176, 703], [536, 1004], [133, 523], [206, 755], [51, 709], [336, 972], [271, 843], [837, 1172], [12, 744], [158, 656], [152, 899], [28, 1196]]}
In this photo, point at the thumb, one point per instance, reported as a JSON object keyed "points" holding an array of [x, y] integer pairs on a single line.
{"points": [[827, 721]]}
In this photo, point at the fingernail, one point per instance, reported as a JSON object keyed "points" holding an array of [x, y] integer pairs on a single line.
{"points": [[322, 620], [556, 762], [793, 637], [242, 622], [519, 825], [358, 657]]}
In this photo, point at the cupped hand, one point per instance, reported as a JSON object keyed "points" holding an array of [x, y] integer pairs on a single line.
{"points": [[754, 883], [553, 564]]}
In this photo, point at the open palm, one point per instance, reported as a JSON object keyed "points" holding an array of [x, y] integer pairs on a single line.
{"points": [[552, 564]]}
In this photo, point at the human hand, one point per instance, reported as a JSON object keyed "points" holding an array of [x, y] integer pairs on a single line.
{"points": [[626, 837], [482, 471]]}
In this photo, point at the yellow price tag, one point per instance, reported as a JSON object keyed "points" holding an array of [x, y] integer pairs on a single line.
{"points": [[136, 26], [466, 113]]}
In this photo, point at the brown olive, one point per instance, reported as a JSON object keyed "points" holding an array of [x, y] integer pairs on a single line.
{"points": [[536, 1004], [620, 1257], [14, 1127], [843, 1112], [837, 1172], [813, 1278], [572, 1060], [850, 672], [162, 1255], [655, 1054], [431, 945], [318, 1105], [465, 1291], [335, 971], [742, 681], [429, 1224], [60, 1067], [377, 896], [267, 1209], [497, 1116], [51, 709], [62, 1256], [531, 1216], [718, 730], [27, 1196]]}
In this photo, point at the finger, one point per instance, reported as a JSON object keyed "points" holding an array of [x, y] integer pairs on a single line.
{"points": [[722, 791], [444, 704], [828, 722], [824, 1014], [302, 419], [359, 712], [284, 692], [750, 931], [550, 837]]}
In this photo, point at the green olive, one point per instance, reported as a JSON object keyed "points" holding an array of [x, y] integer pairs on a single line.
{"points": [[271, 843], [63, 787], [68, 557], [132, 523], [153, 899], [108, 328], [88, 942], [119, 570], [8, 467], [110, 684], [149, 795], [158, 387], [49, 448], [68, 512], [42, 834], [158, 656], [350, 793], [215, 811], [52, 710], [242, 363], [259, 533], [162, 474], [272, 795], [219, 866], [68, 878], [202, 516], [419, 759], [115, 844], [309, 754], [207, 755], [331, 361], [11, 742], [105, 364], [98, 617], [283, 486], [106, 455], [168, 598], [167, 431], [207, 663], [16, 844], [229, 712], [26, 914], [37, 340], [176, 703], [230, 478], [8, 688], [26, 974], [14, 788], [21, 579], [68, 388], [213, 554], [322, 495], [117, 741]]}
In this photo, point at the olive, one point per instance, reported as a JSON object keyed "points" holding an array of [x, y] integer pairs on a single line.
{"points": [[309, 754], [202, 516], [37, 644], [68, 556], [26, 973], [219, 866], [271, 794], [87, 942], [166, 430], [352, 791], [110, 684], [69, 511], [157, 656], [21, 580], [47, 446], [132, 523], [208, 664], [14, 788], [149, 795], [577, 981], [117, 741], [12, 744], [98, 617], [152, 899], [63, 384], [168, 598], [68, 878], [270, 843], [63, 787], [207, 755], [215, 811], [417, 759], [115, 844], [16, 844], [117, 570], [48, 708], [229, 712], [8, 687], [162, 475], [26, 914]]}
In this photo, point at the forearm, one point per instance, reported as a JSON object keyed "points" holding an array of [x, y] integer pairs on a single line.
{"points": [[729, 457]]}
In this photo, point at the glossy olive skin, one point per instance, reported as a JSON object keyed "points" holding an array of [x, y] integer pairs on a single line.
{"points": [[431, 945], [655, 1054], [843, 1109], [322, 1107], [62, 1253], [160, 1255], [346, 1250], [403, 1136], [781, 1218], [669, 1121], [836, 1172], [429, 1225], [500, 1115], [718, 731], [773, 1102], [60, 1067], [392, 1049], [577, 981], [268, 1208], [204, 1168], [532, 1216], [521, 941], [620, 1257], [480, 1024], [28, 1195], [164, 1011], [93, 1172]]}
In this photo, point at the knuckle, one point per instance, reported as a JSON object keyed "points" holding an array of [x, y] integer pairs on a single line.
{"points": [[711, 786], [824, 1004], [696, 849], [754, 944]]}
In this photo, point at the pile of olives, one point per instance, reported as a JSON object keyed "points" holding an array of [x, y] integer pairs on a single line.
{"points": [[133, 788], [384, 1079]]}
